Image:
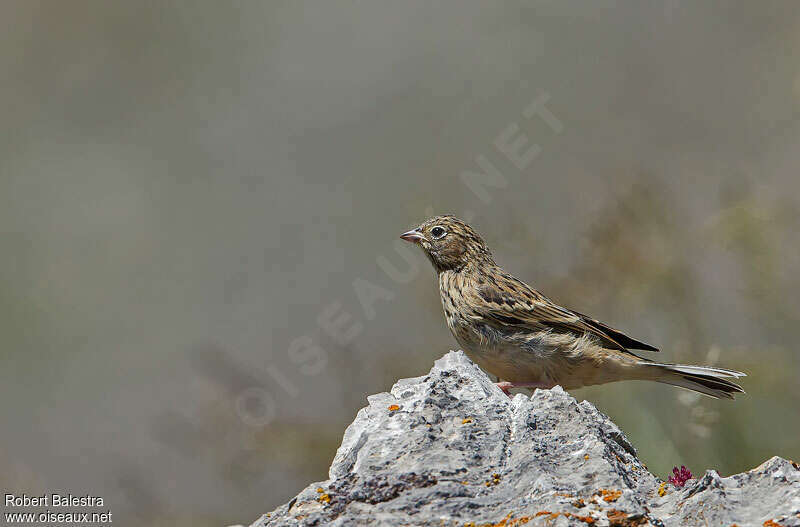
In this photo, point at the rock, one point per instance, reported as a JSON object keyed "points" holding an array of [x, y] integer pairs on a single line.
{"points": [[451, 449]]}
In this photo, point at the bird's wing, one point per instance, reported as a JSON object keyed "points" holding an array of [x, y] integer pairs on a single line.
{"points": [[508, 302], [618, 336]]}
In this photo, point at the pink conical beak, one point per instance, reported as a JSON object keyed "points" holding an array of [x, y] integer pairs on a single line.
{"points": [[412, 236]]}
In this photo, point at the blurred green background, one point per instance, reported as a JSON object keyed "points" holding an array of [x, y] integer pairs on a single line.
{"points": [[193, 195]]}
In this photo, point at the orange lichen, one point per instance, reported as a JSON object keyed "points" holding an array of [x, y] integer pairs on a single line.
{"points": [[466, 420], [579, 503], [662, 489], [585, 519], [586, 457], [771, 523], [554, 515], [507, 521], [393, 408], [609, 495], [618, 518]]}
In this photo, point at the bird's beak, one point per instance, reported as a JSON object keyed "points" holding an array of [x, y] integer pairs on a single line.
{"points": [[412, 236]]}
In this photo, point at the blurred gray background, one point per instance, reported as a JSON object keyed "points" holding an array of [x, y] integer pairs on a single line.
{"points": [[200, 204]]}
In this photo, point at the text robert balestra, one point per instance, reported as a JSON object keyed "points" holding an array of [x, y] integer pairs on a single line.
{"points": [[53, 500]]}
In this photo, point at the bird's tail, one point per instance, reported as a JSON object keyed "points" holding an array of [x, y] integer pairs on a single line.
{"points": [[703, 379]]}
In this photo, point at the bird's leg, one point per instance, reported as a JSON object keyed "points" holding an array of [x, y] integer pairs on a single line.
{"points": [[505, 386]]}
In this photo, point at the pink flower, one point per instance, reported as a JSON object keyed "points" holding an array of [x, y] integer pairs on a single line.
{"points": [[679, 477]]}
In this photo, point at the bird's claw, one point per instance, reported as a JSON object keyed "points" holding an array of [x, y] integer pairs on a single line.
{"points": [[505, 386]]}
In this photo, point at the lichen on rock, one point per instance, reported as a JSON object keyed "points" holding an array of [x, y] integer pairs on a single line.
{"points": [[453, 450]]}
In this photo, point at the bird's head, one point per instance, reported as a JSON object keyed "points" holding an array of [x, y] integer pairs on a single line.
{"points": [[449, 243]]}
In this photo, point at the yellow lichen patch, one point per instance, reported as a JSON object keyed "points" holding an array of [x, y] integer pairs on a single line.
{"points": [[662, 489], [320, 490], [466, 420], [393, 407], [586, 457], [324, 498], [610, 495], [494, 481]]}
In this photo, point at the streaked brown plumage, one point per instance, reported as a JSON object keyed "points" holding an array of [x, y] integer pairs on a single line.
{"points": [[511, 330]]}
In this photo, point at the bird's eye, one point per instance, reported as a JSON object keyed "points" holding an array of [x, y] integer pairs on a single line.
{"points": [[438, 232]]}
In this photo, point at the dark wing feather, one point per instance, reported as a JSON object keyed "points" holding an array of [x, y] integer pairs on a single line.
{"points": [[622, 338], [509, 302]]}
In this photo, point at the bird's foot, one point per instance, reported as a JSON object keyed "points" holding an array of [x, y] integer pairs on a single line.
{"points": [[505, 386]]}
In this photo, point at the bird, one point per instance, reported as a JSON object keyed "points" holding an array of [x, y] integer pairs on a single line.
{"points": [[526, 340]]}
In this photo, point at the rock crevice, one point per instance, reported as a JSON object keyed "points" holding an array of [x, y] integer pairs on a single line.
{"points": [[450, 449]]}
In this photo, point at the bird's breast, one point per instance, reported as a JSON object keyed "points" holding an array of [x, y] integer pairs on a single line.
{"points": [[451, 289], [460, 317]]}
